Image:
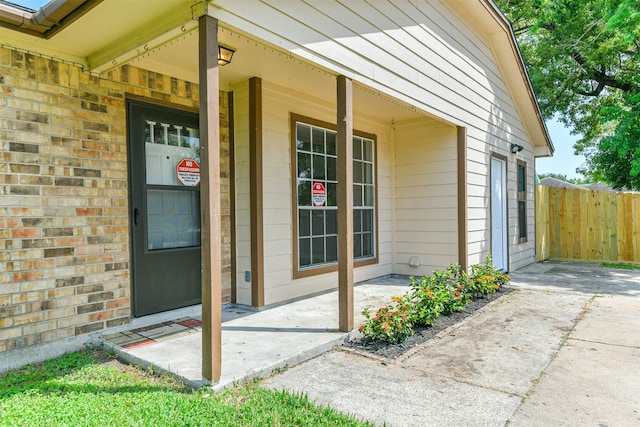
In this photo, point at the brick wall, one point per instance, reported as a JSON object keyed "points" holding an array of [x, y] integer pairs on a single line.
{"points": [[64, 226]]}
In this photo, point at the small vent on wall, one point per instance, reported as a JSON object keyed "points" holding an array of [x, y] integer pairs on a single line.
{"points": [[414, 261]]}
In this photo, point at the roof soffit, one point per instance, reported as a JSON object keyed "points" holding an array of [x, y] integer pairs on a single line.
{"points": [[104, 33], [159, 30], [47, 21]]}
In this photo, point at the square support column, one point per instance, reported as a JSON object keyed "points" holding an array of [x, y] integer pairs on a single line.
{"points": [[210, 199], [256, 192], [344, 140], [463, 223]]}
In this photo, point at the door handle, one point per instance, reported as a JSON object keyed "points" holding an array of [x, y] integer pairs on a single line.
{"points": [[136, 215]]}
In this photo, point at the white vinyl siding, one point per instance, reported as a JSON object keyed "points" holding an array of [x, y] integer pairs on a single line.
{"points": [[426, 57], [426, 196], [278, 102], [423, 54], [242, 190], [418, 52]]}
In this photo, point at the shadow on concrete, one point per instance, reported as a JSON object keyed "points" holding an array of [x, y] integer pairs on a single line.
{"points": [[585, 278], [267, 329]]}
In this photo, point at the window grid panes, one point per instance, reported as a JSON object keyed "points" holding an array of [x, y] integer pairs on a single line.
{"points": [[316, 162], [522, 201]]}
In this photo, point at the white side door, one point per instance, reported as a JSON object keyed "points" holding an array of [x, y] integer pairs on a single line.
{"points": [[499, 213]]}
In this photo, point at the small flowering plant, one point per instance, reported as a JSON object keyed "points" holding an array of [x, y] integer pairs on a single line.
{"points": [[485, 279], [441, 293], [426, 306], [456, 300], [444, 292], [391, 323]]}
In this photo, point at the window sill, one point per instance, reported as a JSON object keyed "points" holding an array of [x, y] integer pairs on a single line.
{"points": [[323, 269]]}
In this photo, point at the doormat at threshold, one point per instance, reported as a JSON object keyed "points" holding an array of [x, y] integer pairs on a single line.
{"points": [[151, 334]]}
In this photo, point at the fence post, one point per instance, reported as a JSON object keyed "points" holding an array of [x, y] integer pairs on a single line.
{"points": [[542, 223]]}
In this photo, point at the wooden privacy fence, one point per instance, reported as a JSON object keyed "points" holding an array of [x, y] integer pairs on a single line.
{"points": [[587, 225]]}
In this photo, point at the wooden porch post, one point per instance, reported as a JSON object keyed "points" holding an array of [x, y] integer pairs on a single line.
{"points": [[344, 140], [463, 227], [255, 184], [210, 199]]}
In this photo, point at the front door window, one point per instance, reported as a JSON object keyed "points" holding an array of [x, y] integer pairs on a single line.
{"points": [[173, 214]]}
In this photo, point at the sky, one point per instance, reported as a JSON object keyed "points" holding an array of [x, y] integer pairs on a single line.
{"points": [[564, 161], [31, 4]]}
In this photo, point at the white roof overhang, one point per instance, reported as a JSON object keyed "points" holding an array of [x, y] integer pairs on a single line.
{"points": [[485, 16], [109, 33]]}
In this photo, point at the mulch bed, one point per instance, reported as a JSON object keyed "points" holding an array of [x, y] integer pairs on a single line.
{"points": [[422, 334]]}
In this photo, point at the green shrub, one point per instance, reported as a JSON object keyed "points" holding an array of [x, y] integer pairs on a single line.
{"points": [[441, 293], [391, 323], [453, 293], [426, 306], [485, 279]]}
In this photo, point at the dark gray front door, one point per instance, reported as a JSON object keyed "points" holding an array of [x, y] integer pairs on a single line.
{"points": [[164, 157]]}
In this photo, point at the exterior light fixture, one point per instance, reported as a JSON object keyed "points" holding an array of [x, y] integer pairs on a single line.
{"points": [[515, 148], [225, 54]]}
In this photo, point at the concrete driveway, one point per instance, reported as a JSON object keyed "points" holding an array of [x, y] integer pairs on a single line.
{"points": [[564, 349]]}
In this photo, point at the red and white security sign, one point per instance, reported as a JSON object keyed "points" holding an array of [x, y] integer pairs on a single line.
{"points": [[188, 172], [318, 194]]}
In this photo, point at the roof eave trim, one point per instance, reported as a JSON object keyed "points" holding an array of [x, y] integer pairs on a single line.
{"points": [[506, 24], [48, 20]]}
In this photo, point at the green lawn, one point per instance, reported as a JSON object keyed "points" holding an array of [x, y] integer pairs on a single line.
{"points": [[90, 389], [620, 265]]}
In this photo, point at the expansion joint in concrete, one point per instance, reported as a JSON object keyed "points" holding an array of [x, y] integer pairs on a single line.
{"points": [[565, 338], [605, 343]]}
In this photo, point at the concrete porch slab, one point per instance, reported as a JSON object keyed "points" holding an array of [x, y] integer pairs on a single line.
{"points": [[254, 344]]}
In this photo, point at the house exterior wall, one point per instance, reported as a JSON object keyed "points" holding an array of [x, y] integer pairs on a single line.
{"points": [[478, 197], [278, 103], [64, 228], [242, 191], [426, 196], [522, 254], [421, 53], [64, 224]]}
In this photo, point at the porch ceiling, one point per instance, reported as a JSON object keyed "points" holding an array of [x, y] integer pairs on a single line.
{"points": [[107, 29], [179, 58], [161, 36]]}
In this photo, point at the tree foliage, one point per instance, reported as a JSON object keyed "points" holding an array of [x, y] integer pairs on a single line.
{"points": [[583, 57]]}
